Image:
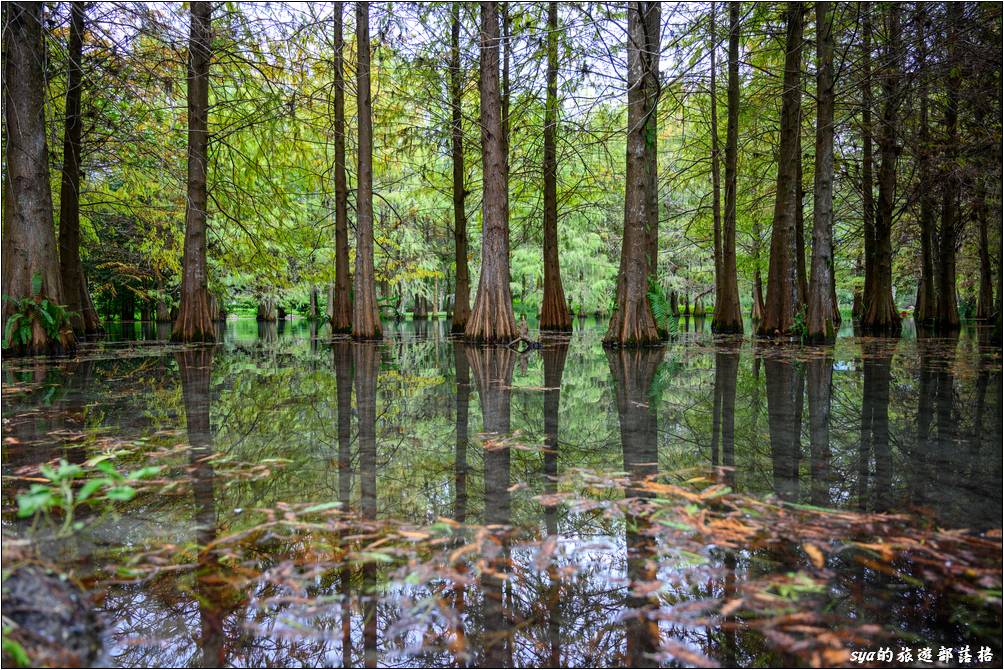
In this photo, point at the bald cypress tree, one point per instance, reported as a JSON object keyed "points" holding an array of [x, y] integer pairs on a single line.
{"points": [[491, 319], [554, 314], [783, 292], [195, 320], [365, 311]]}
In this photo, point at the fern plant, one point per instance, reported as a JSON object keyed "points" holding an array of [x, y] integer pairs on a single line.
{"points": [[661, 309], [53, 316]]}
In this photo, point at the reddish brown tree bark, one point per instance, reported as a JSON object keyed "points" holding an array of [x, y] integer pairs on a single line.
{"points": [[728, 315], [716, 172], [947, 314], [491, 318], [462, 292], [880, 315], [29, 241], [83, 316], [650, 53], [927, 297], [195, 322], [782, 277], [867, 184], [632, 323], [365, 311], [341, 309], [819, 324], [554, 314]]}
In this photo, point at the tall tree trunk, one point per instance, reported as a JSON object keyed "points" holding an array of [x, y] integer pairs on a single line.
{"points": [[867, 194], [981, 212], [83, 316], [194, 322], [782, 277], [341, 312], [728, 315], [365, 312], [632, 323], [716, 173], [819, 325], [554, 315], [757, 309], [505, 91], [462, 294], [881, 316], [30, 263], [492, 319], [927, 297], [651, 51], [947, 317], [799, 249]]}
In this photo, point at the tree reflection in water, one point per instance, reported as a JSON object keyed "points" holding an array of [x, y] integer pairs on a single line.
{"points": [[908, 427]]}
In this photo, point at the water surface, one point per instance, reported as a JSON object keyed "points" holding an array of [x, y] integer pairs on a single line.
{"points": [[503, 509]]}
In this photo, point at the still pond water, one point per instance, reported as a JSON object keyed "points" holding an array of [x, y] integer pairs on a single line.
{"points": [[421, 502]]}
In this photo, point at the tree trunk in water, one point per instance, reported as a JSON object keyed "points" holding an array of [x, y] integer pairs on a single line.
{"points": [[78, 300], [492, 320], [554, 315], [315, 306], [365, 312], [867, 197], [985, 298], [782, 277], [195, 323], [819, 325], [462, 293], [29, 241], [266, 310], [341, 312], [421, 311], [880, 314], [927, 298], [716, 178], [757, 309], [127, 305], [632, 323], [728, 315], [947, 316]]}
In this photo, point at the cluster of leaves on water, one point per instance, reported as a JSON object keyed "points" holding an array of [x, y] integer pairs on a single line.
{"points": [[273, 560]]}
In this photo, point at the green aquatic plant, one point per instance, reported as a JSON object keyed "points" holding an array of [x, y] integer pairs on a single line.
{"points": [[70, 486]]}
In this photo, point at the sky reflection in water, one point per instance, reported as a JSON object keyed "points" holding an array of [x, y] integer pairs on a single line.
{"points": [[493, 450]]}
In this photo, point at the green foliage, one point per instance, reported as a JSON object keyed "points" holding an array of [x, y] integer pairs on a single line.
{"points": [[523, 310], [800, 327], [100, 483], [27, 310], [14, 649], [661, 310]]}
